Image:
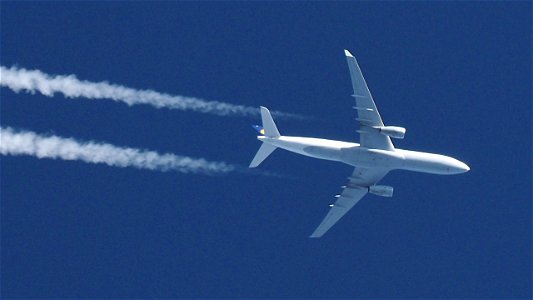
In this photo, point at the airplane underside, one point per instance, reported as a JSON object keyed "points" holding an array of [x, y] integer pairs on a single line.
{"points": [[373, 157], [355, 155]]}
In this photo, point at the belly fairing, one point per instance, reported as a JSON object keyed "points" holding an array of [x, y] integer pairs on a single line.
{"points": [[363, 157]]}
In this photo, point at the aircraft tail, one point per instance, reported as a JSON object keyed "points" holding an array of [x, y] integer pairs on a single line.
{"points": [[262, 154], [269, 130]]}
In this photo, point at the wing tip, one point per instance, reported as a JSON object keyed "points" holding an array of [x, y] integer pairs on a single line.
{"points": [[316, 234], [347, 53]]}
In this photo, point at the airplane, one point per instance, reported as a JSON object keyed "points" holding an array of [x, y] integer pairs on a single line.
{"points": [[373, 157]]}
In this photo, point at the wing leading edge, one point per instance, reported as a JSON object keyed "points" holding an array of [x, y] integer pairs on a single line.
{"points": [[367, 112], [353, 192]]}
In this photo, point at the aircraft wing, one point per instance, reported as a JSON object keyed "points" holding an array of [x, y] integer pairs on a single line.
{"points": [[354, 191], [367, 112]]}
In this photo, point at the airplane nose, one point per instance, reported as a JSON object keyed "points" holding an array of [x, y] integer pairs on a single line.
{"points": [[462, 167], [457, 167]]}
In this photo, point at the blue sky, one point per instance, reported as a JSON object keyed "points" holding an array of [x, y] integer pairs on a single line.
{"points": [[456, 75]]}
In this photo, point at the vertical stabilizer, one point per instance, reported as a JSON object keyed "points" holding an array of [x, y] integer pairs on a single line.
{"points": [[271, 130], [262, 154]]}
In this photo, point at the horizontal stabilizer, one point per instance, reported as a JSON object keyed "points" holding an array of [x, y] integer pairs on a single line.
{"points": [[262, 154]]}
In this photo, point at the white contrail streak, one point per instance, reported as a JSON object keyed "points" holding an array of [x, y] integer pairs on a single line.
{"points": [[19, 79], [13, 142]]}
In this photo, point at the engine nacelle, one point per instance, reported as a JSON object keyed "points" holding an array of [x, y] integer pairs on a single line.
{"points": [[392, 131], [381, 190]]}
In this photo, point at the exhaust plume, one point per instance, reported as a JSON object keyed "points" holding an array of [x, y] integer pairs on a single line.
{"points": [[13, 142], [33, 81]]}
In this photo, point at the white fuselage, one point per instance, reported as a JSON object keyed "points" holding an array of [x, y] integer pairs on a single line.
{"points": [[355, 155]]}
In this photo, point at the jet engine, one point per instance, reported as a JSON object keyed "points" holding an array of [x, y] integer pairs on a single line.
{"points": [[381, 190], [392, 131]]}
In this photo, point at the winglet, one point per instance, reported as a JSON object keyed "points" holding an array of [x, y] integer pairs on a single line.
{"points": [[347, 53]]}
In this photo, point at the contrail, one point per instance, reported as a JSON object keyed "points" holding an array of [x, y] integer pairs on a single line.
{"points": [[71, 87], [13, 142]]}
